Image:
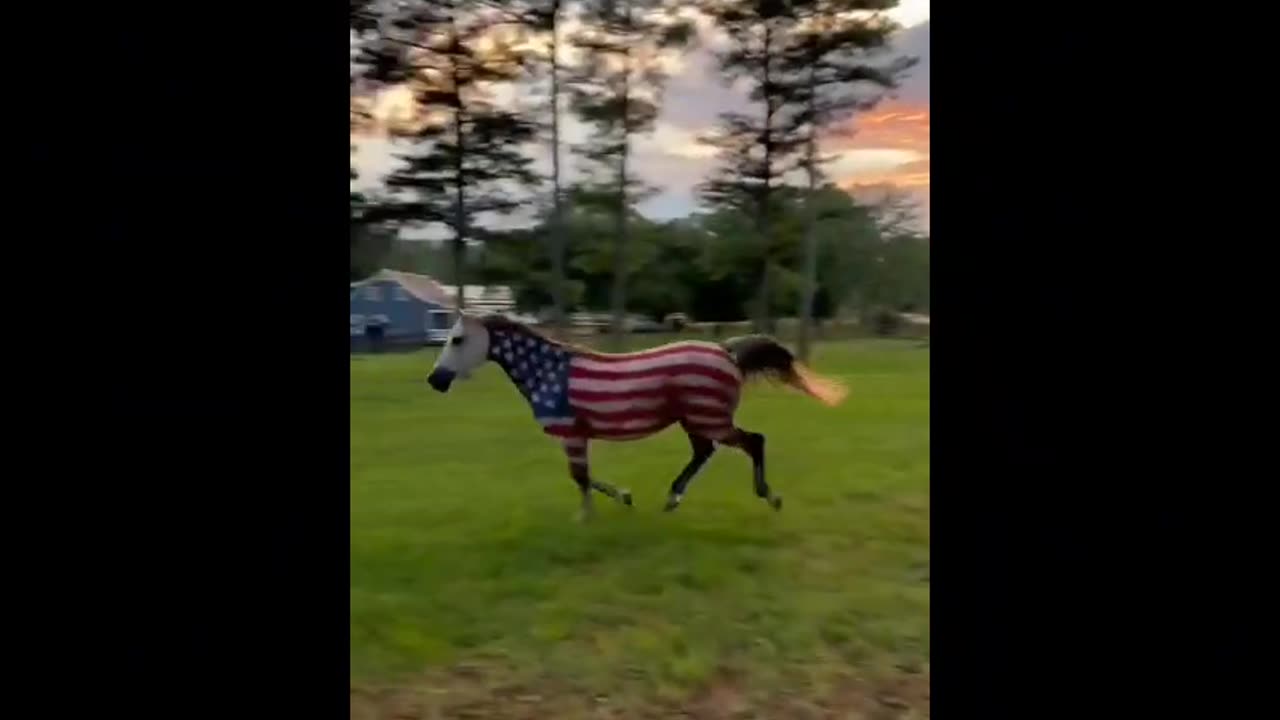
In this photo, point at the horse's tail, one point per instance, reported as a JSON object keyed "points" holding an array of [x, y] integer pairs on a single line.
{"points": [[764, 356]]}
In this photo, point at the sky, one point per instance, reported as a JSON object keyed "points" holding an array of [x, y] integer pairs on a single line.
{"points": [[884, 148]]}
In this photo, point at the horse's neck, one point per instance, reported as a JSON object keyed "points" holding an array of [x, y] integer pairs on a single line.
{"points": [[502, 351], [502, 346]]}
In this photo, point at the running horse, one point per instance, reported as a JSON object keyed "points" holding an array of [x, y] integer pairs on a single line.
{"points": [[579, 395]]}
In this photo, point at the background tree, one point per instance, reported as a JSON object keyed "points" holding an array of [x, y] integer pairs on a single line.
{"points": [[698, 265], [541, 23], [371, 238], [834, 59], [616, 89], [755, 152], [366, 248], [900, 258], [467, 162]]}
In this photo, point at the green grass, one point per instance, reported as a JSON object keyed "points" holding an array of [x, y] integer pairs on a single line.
{"points": [[464, 551]]}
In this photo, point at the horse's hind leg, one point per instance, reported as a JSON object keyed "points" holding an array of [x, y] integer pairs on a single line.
{"points": [[753, 445], [702, 450]]}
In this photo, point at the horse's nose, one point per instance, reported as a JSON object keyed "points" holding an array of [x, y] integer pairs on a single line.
{"points": [[440, 379]]}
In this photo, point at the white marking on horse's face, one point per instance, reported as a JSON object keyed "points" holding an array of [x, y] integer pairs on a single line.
{"points": [[466, 349]]}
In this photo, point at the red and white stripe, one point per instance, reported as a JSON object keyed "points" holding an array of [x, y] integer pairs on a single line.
{"points": [[633, 395], [576, 448]]}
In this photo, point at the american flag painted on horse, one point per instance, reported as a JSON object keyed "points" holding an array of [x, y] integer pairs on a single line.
{"points": [[582, 394], [578, 394]]}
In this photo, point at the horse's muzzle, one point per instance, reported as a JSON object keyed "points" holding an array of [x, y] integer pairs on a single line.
{"points": [[440, 379]]}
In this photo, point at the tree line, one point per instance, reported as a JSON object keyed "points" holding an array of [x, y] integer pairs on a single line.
{"points": [[762, 245]]}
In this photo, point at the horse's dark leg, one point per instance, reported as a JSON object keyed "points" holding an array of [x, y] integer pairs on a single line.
{"points": [[702, 450], [753, 445]]}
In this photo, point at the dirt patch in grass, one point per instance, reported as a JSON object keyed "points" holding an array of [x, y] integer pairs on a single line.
{"points": [[469, 692]]}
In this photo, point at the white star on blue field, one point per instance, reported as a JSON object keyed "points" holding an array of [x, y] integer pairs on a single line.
{"points": [[539, 369]]}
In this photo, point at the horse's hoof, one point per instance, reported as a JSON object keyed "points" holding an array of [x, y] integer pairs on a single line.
{"points": [[672, 504], [775, 502], [625, 496]]}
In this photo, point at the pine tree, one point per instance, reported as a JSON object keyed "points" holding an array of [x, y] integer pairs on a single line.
{"points": [[835, 60], [467, 161], [368, 236], [542, 21], [756, 152], [616, 89]]}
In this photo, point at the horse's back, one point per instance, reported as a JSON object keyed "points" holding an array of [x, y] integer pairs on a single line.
{"points": [[688, 363], [624, 396], [673, 348]]}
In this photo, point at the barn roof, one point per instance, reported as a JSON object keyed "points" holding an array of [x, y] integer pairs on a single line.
{"points": [[421, 287]]}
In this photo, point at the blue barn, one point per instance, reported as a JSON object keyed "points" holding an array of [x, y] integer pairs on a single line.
{"points": [[399, 308]]}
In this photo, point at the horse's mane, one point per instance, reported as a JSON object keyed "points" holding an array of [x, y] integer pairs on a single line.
{"points": [[502, 322]]}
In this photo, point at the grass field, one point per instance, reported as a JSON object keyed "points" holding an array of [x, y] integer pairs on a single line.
{"points": [[474, 593]]}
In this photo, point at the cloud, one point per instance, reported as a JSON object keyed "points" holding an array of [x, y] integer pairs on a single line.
{"points": [[892, 125], [673, 141], [911, 12], [914, 42], [372, 160], [909, 175], [871, 161], [676, 179], [897, 129], [695, 97], [887, 147]]}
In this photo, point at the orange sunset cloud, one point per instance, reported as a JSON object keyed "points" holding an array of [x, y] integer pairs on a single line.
{"points": [[885, 148]]}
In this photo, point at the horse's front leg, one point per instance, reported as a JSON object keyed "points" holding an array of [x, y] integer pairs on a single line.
{"points": [[575, 449]]}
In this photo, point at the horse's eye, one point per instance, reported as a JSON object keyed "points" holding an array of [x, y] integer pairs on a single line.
{"points": [[456, 341]]}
